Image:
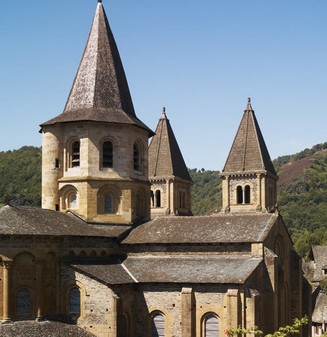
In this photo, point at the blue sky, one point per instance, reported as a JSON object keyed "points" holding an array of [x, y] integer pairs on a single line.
{"points": [[199, 59]]}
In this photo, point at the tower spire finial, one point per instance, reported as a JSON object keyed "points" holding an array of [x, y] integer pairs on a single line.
{"points": [[163, 115]]}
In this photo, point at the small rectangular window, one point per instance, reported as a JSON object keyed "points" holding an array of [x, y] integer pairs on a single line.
{"points": [[57, 163]]}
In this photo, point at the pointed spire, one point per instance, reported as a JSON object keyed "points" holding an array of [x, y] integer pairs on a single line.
{"points": [[165, 157], [249, 152], [100, 90]]}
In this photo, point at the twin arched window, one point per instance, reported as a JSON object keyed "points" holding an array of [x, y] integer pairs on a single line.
{"points": [[243, 195]]}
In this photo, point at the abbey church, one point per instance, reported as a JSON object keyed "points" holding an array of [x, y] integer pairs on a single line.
{"points": [[115, 250]]}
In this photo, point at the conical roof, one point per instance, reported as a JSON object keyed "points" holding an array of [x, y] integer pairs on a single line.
{"points": [[165, 157], [249, 152], [100, 91]]}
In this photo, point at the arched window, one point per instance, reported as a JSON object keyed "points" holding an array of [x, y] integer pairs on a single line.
{"points": [[23, 302], [107, 154], [158, 199], [72, 201], [247, 194], [74, 301], [108, 204], [158, 325], [239, 195], [136, 157], [75, 154], [211, 326]]}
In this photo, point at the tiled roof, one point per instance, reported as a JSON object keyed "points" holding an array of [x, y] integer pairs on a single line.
{"points": [[100, 91], [112, 273], [22, 220], [319, 255], [42, 329], [220, 228], [319, 314], [192, 269], [165, 157], [249, 152]]}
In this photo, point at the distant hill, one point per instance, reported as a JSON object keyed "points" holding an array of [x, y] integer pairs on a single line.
{"points": [[20, 176], [302, 186]]}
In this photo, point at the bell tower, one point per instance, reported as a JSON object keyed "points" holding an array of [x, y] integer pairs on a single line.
{"points": [[249, 179], [95, 154], [170, 180]]}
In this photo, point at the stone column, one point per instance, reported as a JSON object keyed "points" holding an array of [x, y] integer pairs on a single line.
{"points": [[114, 316], [187, 312], [6, 291], [39, 291], [232, 308]]}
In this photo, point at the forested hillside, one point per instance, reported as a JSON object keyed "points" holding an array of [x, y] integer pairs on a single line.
{"points": [[20, 176], [302, 186]]}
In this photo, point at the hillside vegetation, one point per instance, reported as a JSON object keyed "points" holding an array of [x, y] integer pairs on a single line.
{"points": [[20, 176], [302, 186]]}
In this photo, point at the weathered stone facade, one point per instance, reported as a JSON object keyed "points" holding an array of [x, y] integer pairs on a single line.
{"points": [[92, 258]]}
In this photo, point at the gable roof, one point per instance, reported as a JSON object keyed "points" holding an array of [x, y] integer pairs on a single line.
{"points": [[319, 255], [249, 151], [100, 91], [22, 220], [165, 157], [220, 228], [319, 314], [192, 269]]}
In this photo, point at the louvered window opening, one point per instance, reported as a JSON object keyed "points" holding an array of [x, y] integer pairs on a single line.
{"points": [[211, 326], [75, 154], [107, 154], [158, 326]]}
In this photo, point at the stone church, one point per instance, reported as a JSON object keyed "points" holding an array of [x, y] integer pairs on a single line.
{"points": [[115, 250]]}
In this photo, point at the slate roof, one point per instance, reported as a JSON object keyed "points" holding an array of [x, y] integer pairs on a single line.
{"points": [[192, 269], [165, 157], [249, 152], [108, 273], [220, 228], [42, 329], [319, 255], [100, 91], [319, 314], [22, 220]]}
